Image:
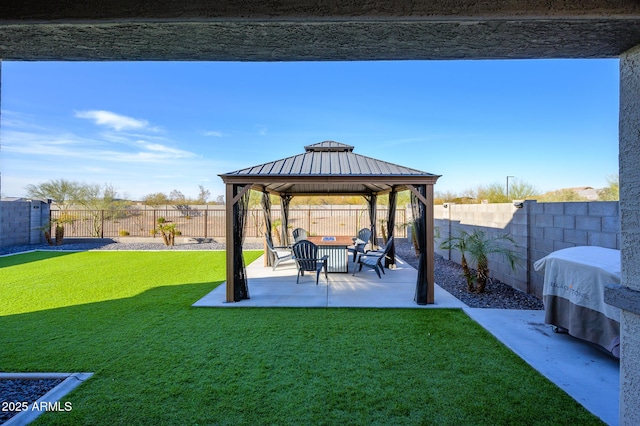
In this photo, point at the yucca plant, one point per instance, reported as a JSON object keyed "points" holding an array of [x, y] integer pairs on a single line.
{"points": [[478, 246]]}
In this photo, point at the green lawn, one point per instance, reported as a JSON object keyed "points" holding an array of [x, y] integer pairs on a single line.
{"points": [[127, 317]]}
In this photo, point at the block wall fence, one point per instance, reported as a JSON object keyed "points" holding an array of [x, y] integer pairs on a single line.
{"points": [[20, 222], [537, 228]]}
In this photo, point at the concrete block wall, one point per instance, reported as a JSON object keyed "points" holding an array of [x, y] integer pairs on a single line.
{"points": [[494, 220], [537, 228], [554, 226], [20, 221]]}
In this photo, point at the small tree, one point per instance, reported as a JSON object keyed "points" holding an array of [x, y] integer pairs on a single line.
{"points": [[177, 197], [478, 246], [156, 199], [612, 191], [70, 194], [497, 192], [63, 192], [203, 195], [101, 202], [562, 195]]}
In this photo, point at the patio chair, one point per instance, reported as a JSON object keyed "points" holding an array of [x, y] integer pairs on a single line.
{"points": [[279, 253], [373, 259], [305, 253], [360, 242], [299, 234]]}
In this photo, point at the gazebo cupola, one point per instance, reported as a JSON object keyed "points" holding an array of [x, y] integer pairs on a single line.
{"points": [[328, 146]]}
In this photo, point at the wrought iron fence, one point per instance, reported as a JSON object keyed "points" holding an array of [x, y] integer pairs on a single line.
{"points": [[210, 223]]}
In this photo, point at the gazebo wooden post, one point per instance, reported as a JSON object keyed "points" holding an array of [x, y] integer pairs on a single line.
{"points": [[428, 226], [230, 235], [429, 265]]}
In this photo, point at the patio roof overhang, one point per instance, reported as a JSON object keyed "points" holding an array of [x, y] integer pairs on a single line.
{"points": [[329, 168]]}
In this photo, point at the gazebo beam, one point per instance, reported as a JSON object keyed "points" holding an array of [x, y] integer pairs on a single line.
{"points": [[417, 194], [315, 194], [240, 194], [386, 180]]}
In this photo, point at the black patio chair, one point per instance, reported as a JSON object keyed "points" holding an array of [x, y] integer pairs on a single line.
{"points": [[373, 259], [360, 242], [305, 253], [279, 253]]}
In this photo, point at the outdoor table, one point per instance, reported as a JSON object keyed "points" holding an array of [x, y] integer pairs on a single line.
{"points": [[336, 249]]}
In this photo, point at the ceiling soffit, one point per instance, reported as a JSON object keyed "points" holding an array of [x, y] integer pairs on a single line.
{"points": [[299, 30]]}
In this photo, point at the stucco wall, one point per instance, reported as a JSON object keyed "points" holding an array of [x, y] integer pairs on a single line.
{"points": [[537, 228], [630, 222]]}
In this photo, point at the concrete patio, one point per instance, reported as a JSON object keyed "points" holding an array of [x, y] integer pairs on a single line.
{"points": [[589, 375]]}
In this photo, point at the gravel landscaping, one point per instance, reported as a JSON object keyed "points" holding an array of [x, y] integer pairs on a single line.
{"points": [[448, 275], [16, 392]]}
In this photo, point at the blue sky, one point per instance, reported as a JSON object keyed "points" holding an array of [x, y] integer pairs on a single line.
{"points": [[148, 127]]}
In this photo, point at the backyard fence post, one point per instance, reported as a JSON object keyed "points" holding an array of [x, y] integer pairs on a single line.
{"points": [[206, 216], [101, 223], [449, 228]]}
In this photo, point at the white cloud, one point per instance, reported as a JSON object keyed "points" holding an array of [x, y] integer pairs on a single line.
{"points": [[130, 160], [20, 121], [213, 133], [73, 146], [44, 143], [114, 121], [163, 150]]}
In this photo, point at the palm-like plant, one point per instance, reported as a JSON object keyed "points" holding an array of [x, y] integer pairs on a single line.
{"points": [[167, 230], [478, 246], [460, 243]]}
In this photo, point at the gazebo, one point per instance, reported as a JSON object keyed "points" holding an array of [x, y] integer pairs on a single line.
{"points": [[328, 168]]}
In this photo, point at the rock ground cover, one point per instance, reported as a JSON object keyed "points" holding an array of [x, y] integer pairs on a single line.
{"points": [[448, 275], [15, 392]]}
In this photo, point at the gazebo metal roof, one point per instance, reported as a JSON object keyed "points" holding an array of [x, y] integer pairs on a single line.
{"points": [[329, 167]]}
